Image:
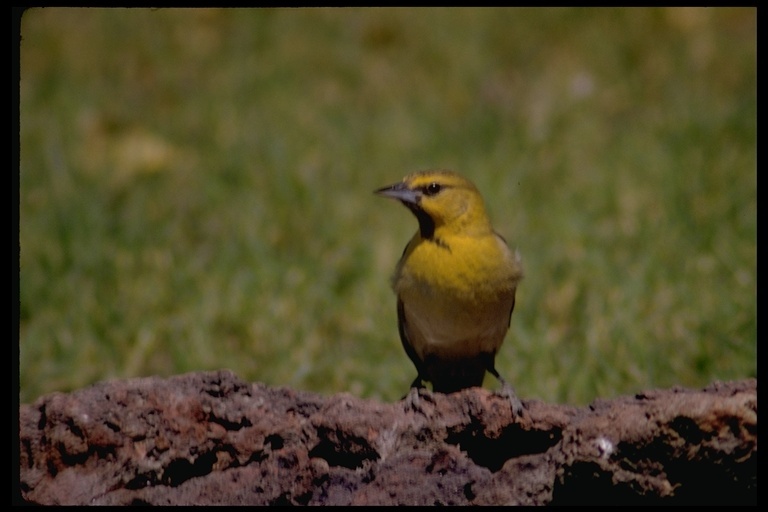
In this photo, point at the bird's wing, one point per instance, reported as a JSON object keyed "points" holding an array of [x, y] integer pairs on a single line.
{"points": [[402, 329]]}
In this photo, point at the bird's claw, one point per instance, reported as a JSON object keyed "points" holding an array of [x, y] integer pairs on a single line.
{"points": [[412, 400], [517, 406]]}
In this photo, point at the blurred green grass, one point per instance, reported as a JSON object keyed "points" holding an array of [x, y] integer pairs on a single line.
{"points": [[195, 190]]}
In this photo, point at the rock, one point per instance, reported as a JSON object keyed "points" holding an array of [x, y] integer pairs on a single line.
{"points": [[211, 438]]}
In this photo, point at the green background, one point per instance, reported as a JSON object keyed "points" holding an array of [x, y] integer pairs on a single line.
{"points": [[196, 190]]}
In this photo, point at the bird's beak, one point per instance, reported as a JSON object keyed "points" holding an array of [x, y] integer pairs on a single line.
{"points": [[401, 192]]}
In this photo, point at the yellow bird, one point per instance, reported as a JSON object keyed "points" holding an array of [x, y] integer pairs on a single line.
{"points": [[455, 284]]}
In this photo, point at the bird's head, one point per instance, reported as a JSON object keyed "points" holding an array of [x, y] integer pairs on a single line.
{"points": [[441, 200]]}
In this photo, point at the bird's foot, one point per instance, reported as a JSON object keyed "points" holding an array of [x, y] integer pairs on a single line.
{"points": [[509, 392], [413, 400]]}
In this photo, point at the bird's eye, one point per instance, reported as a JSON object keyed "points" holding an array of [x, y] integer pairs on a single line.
{"points": [[432, 189]]}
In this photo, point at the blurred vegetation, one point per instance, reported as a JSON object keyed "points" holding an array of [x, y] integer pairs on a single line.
{"points": [[196, 190]]}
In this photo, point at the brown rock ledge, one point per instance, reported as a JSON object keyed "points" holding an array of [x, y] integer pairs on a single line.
{"points": [[211, 438]]}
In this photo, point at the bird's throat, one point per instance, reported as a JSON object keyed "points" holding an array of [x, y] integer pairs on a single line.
{"points": [[426, 224]]}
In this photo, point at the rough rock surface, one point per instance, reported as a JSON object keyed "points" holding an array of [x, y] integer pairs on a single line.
{"points": [[211, 438]]}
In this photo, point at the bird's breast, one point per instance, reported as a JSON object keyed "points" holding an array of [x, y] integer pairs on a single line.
{"points": [[458, 269], [457, 296]]}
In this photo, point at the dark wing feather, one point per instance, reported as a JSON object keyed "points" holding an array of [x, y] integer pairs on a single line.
{"points": [[401, 327]]}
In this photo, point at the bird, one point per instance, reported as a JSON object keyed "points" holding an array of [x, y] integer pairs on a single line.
{"points": [[455, 284]]}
